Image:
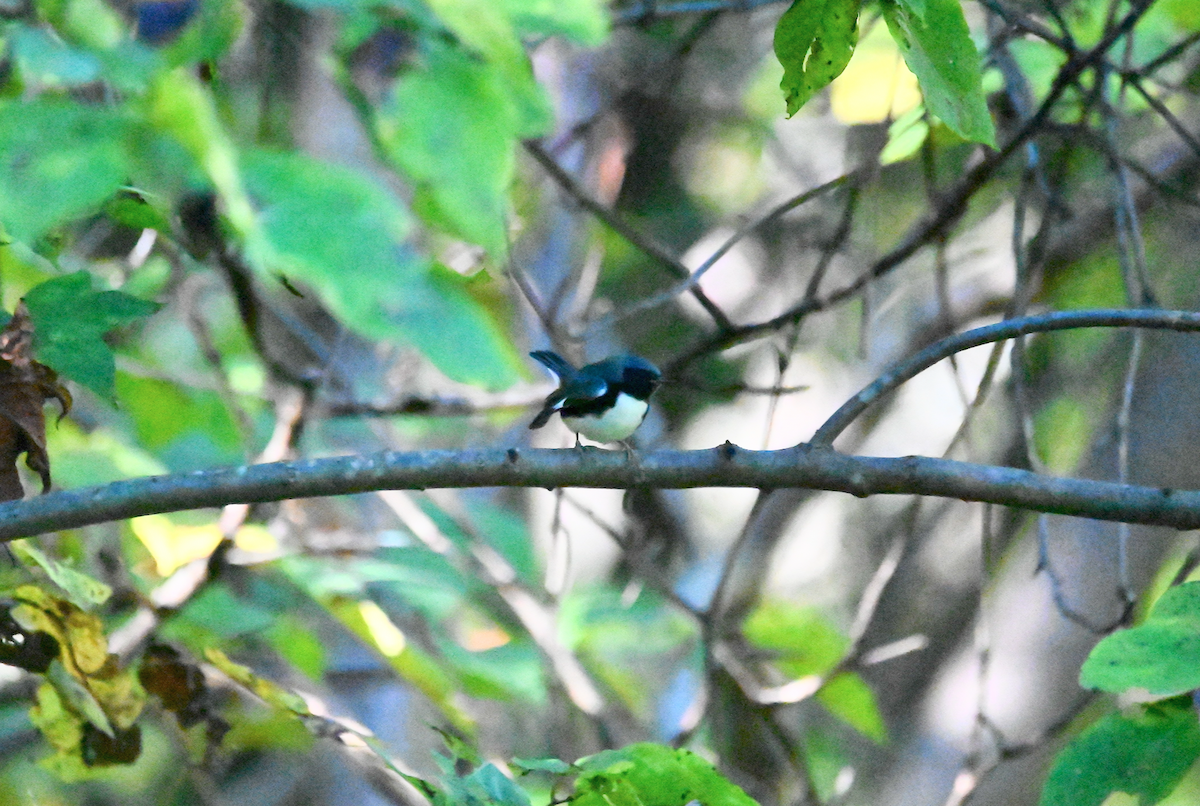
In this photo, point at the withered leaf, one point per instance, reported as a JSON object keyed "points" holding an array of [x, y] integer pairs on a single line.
{"points": [[25, 386]]}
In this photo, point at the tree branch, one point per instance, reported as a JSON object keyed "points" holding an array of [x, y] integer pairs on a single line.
{"points": [[907, 369], [724, 466]]}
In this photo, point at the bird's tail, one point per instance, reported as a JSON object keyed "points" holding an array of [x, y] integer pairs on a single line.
{"points": [[554, 362]]}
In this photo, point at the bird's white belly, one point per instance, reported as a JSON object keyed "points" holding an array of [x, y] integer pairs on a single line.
{"points": [[614, 425]]}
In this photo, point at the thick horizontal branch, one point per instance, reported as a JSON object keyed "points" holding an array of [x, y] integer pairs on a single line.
{"points": [[725, 466]]}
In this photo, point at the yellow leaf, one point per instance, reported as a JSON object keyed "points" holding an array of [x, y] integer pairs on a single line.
{"points": [[255, 539], [172, 545]]}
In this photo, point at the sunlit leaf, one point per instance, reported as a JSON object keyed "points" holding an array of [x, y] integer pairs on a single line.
{"points": [[63, 730], [876, 85], [937, 47], [452, 126], [850, 699], [82, 590], [814, 40], [89, 22], [87, 680], [174, 545], [906, 135], [643, 774]]}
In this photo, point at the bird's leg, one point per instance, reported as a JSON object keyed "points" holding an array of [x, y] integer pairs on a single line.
{"points": [[632, 458]]}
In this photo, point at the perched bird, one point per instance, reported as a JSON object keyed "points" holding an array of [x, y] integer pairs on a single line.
{"points": [[605, 401]]}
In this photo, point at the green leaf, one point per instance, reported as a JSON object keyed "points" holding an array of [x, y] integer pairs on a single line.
{"points": [[217, 609], [86, 22], [82, 590], [916, 7], [938, 49], [906, 135], [452, 126], [297, 643], [182, 108], [1161, 655], [69, 322], [185, 428], [488, 30], [805, 643], [441, 318], [78, 697], [803, 640], [132, 211], [1145, 754], [337, 231], [272, 693], [651, 774], [498, 788], [340, 233], [814, 40], [508, 533], [851, 700], [48, 60], [58, 161], [584, 21], [509, 672]]}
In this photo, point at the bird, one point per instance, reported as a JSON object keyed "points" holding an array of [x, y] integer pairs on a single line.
{"points": [[605, 401]]}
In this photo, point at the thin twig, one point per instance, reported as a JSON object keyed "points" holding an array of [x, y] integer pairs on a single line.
{"points": [[623, 228], [693, 280]]}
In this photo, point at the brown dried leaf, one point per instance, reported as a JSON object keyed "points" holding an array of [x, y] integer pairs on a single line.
{"points": [[25, 386]]}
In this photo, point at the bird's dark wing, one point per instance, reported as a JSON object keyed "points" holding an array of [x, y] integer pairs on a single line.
{"points": [[580, 390], [553, 404], [554, 362]]}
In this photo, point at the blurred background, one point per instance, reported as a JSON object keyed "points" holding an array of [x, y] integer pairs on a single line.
{"points": [[819, 648]]}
